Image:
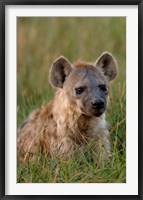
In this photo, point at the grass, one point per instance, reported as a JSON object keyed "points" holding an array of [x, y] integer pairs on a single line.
{"points": [[40, 41]]}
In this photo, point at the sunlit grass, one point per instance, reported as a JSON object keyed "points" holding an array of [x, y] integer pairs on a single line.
{"points": [[40, 42]]}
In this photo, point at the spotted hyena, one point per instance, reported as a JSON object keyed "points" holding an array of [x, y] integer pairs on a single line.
{"points": [[76, 115]]}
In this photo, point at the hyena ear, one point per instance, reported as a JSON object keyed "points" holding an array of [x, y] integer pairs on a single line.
{"points": [[108, 65], [60, 69]]}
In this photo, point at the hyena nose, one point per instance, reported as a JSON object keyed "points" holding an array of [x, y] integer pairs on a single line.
{"points": [[98, 104]]}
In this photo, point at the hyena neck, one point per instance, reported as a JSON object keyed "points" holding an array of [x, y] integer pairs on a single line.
{"points": [[65, 113], [70, 120]]}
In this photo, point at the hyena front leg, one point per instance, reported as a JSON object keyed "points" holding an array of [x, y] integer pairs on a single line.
{"points": [[63, 147], [102, 145]]}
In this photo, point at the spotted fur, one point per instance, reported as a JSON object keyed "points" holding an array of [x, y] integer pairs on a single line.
{"points": [[69, 121]]}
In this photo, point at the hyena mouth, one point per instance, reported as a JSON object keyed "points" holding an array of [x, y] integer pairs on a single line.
{"points": [[98, 113]]}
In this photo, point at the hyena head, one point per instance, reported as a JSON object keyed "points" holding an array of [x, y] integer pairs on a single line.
{"points": [[85, 84]]}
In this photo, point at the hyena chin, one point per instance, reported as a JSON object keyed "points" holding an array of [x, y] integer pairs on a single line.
{"points": [[76, 116]]}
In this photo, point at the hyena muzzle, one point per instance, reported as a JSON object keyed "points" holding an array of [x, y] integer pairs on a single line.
{"points": [[76, 115]]}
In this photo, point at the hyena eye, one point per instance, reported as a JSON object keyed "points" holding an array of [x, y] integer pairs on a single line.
{"points": [[103, 88], [79, 90]]}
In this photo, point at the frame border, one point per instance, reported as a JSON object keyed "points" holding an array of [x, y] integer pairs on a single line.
{"points": [[3, 3]]}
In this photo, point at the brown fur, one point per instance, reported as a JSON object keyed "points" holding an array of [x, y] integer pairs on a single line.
{"points": [[68, 122]]}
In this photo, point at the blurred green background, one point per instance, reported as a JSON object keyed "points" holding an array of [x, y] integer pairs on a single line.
{"points": [[39, 42]]}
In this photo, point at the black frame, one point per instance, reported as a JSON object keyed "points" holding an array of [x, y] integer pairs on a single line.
{"points": [[3, 3]]}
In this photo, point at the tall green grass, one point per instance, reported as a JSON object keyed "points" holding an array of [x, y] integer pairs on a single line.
{"points": [[39, 42]]}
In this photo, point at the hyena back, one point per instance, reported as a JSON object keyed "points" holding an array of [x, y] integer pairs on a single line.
{"points": [[76, 115]]}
